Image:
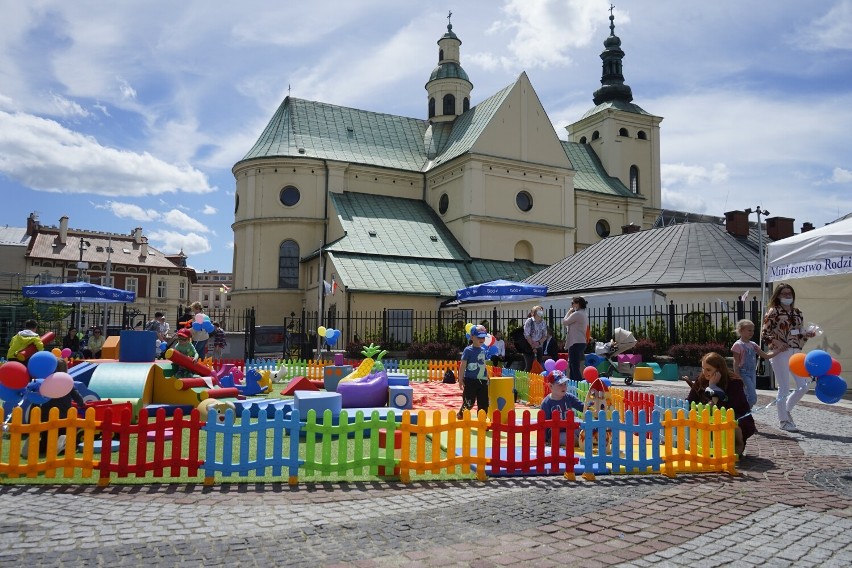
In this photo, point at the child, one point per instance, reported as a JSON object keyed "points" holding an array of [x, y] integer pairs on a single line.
{"points": [[718, 386], [185, 346], [219, 341], [499, 356], [24, 339], [745, 353], [473, 380], [559, 401], [64, 404]]}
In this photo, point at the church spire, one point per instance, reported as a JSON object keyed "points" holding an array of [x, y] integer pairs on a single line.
{"points": [[448, 89], [613, 87]]}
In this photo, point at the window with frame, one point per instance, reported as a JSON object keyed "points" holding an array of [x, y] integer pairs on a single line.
{"points": [[432, 107], [182, 290], [108, 281], [634, 179], [161, 289], [400, 326], [288, 265], [449, 104], [131, 284]]}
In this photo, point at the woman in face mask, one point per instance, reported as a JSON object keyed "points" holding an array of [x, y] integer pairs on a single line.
{"points": [[784, 331], [535, 331]]}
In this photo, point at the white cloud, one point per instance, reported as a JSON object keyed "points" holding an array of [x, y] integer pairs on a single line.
{"points": [[832, 31], [129, 211], [684, 201], [66, 107], [208, 210], [692, 175], [124, 88], [181, 220], [46, 156], [839, 175], [173, 242]]}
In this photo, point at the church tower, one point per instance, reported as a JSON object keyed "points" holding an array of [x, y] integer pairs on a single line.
{"points": [[448, 87], [624, 136]]}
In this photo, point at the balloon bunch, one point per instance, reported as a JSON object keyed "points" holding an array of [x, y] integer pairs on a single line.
{"points": [[550, 366], [823, 368], [46, 382], [202, 322], [331, 335], [489, 342], [64, 353]]}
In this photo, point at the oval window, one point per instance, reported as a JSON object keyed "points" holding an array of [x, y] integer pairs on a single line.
{"points": [[443, 203], [602, 229], [524, 201], [289, 196]]}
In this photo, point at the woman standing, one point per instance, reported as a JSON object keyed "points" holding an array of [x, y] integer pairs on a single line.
{"points": [[784, 331], [199, 336], [535, 330], [576, 323]]}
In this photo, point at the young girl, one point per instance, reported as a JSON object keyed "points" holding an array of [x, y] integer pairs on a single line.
{"points": [[745, 353], [718, 386]]}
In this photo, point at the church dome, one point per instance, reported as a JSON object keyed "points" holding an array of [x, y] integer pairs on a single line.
{"points": [[449, 70]]}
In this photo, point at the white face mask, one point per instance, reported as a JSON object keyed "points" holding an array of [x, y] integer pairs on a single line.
{"points": [[787, 301], [540, 313]]}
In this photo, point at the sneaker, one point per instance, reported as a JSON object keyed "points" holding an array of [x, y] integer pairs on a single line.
{"points": [[788, 426]]}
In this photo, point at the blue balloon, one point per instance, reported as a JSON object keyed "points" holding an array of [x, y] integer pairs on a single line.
{"points": [[492, 351], [208, 326], [332, 339], [830, 388], [32, 393], [196, 326], [42, 364], [817, 362]]}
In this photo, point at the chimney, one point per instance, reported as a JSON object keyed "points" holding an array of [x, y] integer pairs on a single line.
{"points": [[32, 224], [143, 248], [137, 235], [778, 228], [630, 228], [63, 230], [736, 223], [807, 226]]}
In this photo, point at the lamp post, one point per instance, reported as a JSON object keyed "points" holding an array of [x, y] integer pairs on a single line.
{"points": [[760, 212], [81, 266]]}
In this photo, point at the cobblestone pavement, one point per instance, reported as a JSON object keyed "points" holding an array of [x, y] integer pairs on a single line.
{"points": [[791, 506]]}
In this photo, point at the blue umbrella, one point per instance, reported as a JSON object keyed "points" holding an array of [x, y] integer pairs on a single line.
{"points": [[500, 291], [73, 292]]}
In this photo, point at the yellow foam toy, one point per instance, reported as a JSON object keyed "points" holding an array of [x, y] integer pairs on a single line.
{"points": [[362, 371]]}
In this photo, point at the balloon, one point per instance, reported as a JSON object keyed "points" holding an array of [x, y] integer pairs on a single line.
{"points": [[561, 365], [830, 388], [321, 331], [199, 318], [489, 340], [329, 333], [590, 374], [797, 365], [835, 368], [57, 352], [65, 353], [549, 365], [56, 385], [817, 362], [492, 351], [14, 375], [208, 326], [331, 340], [32, 394], [41, 364], [467, 328], [206, 317], [196, 326]]}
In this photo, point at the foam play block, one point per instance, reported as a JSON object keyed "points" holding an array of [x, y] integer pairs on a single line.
{"points": [[501, 396], [298, 384], [398, 379], [401, 397], [305, 401], [169, 409], [137, 346], [643, 374], [111, 347], [30, 350], [331, 375], [82, 372]]}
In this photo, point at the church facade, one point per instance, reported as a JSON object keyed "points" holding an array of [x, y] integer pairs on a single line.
{"points": [[348, 210]]}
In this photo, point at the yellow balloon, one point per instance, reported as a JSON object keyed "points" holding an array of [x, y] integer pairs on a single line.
{"points": [[57, 352], [468, 327], [321, 331]]}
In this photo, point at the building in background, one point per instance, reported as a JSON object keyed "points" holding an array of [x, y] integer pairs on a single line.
{"points": [[213, 290]]}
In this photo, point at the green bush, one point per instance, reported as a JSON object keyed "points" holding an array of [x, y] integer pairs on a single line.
{"points": [[690, 354]]}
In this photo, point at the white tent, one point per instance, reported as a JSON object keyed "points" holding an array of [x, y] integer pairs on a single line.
{"points": [[818, 265]]}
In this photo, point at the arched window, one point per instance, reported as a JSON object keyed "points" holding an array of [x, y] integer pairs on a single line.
{"points": [[623, 132], [641, 135], [466, 104], [288, 265], [582, 140], [431, 107], [634, 179], [596, 135], [449, 104], [440, 55]]}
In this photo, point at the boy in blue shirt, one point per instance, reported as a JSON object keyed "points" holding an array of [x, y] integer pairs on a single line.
{"points": [[560, 401], [473, 380]]}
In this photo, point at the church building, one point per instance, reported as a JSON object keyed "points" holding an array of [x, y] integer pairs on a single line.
{"points": [[345, 210]]}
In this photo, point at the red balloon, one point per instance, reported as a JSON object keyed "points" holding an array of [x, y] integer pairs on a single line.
{"points": [[835, 368], [14, 375], [590, 374]]}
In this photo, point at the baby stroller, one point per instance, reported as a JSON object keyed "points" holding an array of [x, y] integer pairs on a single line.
{"points": [[622, 341]]}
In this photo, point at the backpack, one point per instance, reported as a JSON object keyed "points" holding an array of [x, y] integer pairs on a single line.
{"points": [[449, 377]]}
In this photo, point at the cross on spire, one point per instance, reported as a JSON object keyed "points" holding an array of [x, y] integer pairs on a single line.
{"points": [[449, 15]]}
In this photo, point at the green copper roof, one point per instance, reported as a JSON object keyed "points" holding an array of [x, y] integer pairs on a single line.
{"points": [[591, 175], [301, 128], [448, 70], [392, 226], [617, 105]]}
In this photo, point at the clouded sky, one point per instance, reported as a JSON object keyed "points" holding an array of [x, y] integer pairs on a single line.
{"points": [[131, 114]]}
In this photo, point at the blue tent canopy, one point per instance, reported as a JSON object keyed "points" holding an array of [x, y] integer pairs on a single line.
{"points": [[77, 292], [500, 291]]}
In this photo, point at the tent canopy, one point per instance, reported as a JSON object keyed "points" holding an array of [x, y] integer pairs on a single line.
{"points": [[821, 252], [74, 292], [500, 291]]}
